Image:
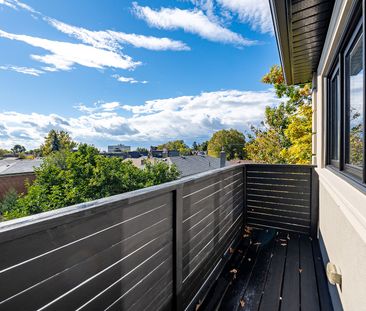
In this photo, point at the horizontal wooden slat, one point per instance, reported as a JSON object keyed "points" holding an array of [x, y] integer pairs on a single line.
{"points": [[278, 218], [278, 212], [277, 200], [30, 246], [284, 207], [260, 223], [279, 194], [283, 182], [288, 175]]}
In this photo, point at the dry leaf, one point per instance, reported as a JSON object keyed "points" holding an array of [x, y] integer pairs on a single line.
{"points": [[248, 230], [231, 250], [233, 271], [198, 306], [242, 303]]}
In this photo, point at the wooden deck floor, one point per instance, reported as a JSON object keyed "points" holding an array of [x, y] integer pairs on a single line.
{"points": [[271, 270]]}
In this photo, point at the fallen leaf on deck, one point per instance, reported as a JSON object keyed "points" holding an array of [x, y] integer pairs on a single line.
{"points": [[233, 271], [248, 230], [242, 303], [231, 250]]}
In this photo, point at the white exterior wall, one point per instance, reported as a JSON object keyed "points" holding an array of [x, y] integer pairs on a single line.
{"points": [[342, 216]]}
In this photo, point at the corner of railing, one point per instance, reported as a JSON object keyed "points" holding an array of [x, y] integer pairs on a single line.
{"points": [[314, 203], [178, 247], [244, 194]]}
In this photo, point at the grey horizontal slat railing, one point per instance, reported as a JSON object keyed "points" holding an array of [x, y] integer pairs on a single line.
{"points": [[282, 197], [156, 248]]}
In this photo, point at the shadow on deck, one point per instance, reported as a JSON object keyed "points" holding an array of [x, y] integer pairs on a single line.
{"points": [[271, 270]]}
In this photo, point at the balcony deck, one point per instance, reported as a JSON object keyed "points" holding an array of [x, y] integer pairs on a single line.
{"points": [[271, 270]]}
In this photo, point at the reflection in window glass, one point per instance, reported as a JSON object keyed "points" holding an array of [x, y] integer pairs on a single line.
{"points": [[354, 138], [335, 118]]}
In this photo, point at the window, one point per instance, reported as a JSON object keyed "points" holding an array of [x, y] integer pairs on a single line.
{"points": [[346, 105], [335, 115], [354, 113]]}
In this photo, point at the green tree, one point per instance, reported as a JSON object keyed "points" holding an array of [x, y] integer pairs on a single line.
{"points": [[8, 202], [57, 141], [231, 141], [4, 152], [66, 178], [178, 145], [18, 149], [141, 149], [285, 134]]}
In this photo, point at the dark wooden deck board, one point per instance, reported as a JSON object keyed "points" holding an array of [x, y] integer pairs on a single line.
{"points": [[276, 271]]}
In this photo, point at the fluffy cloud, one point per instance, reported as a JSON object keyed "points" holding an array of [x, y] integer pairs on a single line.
{"points": [[255, 12], [128, 79], [25, 70], [111, 40], [65, 55], [192, 21], [184, 117]]}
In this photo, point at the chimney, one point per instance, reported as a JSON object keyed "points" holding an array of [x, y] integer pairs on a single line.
{"points": [[222, 158]]}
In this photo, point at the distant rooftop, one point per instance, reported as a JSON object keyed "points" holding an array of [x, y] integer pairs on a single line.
{"points": [[16, 166], [190, 165]]}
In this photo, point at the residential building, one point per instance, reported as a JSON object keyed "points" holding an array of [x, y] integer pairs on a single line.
{"points": [[118, 148], [15, 172]]}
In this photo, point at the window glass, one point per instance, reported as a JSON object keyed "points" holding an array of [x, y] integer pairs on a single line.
{"points": [[334, 117], [354, 108]]}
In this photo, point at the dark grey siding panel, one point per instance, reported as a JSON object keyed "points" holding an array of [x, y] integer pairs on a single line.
{"points": [[279, 196], [108, 259]]}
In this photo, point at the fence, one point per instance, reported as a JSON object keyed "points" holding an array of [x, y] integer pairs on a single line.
{"points": [[157, 248]]}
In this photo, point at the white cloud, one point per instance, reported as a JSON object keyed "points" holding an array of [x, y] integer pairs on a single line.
{"points": [[184, 117], [24, 70], [255, 12], [111, 40], [191, 21], [65, 55], [99, 106], [8, 4], [128, 79]]}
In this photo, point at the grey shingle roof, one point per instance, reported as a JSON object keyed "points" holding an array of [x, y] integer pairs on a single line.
{"points": [[190, 165], [16, 166]]}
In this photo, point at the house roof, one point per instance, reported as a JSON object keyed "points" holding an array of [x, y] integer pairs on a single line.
{"points": [[16, 166], [190, 165], [301, 27]]}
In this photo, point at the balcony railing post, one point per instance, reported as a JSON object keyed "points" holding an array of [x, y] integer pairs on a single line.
{"points": [[178, 248], [244, 195], [314, 211]]}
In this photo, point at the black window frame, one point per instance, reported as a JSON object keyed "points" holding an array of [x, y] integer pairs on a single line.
{"points": [[355, 27]]}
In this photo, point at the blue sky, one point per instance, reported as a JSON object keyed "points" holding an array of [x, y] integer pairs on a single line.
{"points": [[135, 72]]}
